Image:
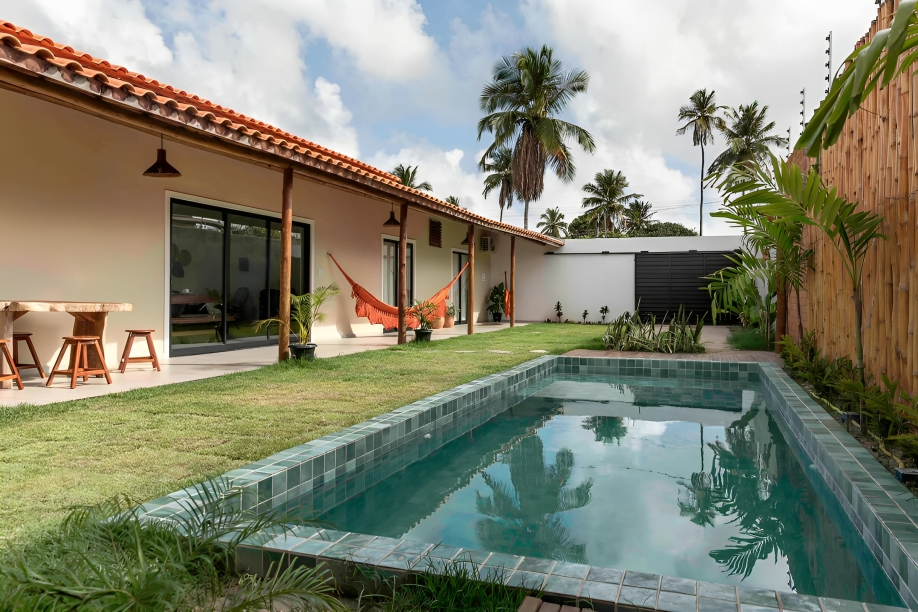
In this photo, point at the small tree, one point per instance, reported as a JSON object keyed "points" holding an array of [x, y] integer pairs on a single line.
{"points": [[604, 312], [780, 191], [558, 311], [585, 314]]}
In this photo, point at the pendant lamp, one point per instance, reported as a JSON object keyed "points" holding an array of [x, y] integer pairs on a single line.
{"points": [[162, 168], [392, 221]]}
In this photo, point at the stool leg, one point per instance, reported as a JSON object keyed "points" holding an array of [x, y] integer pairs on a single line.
{"points": [[77, 349], [127, 352], [57, 364], [13, 368], [153, 353], [15, 351], [102, 360], [35, 360]]}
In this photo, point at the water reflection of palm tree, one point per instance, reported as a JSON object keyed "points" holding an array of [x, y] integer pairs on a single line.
{"points": [[525, 511], [608, 429], [740, 488]]}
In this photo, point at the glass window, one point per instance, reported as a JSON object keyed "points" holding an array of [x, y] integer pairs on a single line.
{"points": [[196, 275], [222, 282], [390, 272], [459, 294]]}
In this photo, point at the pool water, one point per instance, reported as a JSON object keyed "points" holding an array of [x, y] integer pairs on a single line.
{"points": [[641, 474]]}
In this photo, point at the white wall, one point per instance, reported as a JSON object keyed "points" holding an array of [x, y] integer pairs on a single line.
{"points": [[582, 277]]}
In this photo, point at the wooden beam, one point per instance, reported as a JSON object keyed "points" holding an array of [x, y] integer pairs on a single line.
{"points": [[403, 275], [512, 281], [283, 338], [471, 316]]}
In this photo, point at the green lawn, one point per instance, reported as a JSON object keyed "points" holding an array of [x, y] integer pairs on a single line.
{"points": [[746, 339], [148, 442]]}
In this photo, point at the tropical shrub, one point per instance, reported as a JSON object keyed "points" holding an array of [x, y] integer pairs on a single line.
{"points": [[636, 333], [747, 290], [108, 557]]}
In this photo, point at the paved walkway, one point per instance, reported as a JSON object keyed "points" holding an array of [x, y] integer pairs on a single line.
{"points": [[195, 367]]}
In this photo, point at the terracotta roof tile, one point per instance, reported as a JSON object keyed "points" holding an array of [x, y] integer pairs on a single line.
{"points": [[119, 77]]}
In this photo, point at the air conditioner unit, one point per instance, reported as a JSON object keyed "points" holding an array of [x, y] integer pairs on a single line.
{"points": [[487, 244]]}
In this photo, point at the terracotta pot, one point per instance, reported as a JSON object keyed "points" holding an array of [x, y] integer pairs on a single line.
{"points": [[437, 323], [449, 321]]}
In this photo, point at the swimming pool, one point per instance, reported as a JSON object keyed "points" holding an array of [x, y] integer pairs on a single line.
{"points": [[713, 484]]}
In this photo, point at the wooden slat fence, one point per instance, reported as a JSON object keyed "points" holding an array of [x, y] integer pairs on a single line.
{"points": [[873, 163]]}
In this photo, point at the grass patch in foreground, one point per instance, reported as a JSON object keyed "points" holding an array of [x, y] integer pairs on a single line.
{"points": [[746, 339], [148, 442]]}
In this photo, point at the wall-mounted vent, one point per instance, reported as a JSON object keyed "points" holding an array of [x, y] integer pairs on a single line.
{"points": [[487, 244], [436, 234]]}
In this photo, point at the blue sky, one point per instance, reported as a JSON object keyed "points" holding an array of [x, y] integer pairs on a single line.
{"points": [[397, 81]]}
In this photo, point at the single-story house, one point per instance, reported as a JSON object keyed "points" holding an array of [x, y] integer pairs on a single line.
{"points": [[198, 255]]}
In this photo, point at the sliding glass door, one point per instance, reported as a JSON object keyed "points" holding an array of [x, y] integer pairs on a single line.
{"points": [[390, 272], [460, 292], [223, 282]]}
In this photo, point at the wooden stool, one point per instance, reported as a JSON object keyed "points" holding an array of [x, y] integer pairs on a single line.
{"points": [[126, 355], [36, 363], [79, 360], [5, 349]]}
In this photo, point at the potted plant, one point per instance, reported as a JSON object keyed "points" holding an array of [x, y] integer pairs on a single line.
{"points": [[305, 312], [496, 305], [424, 311], [450, 319]]}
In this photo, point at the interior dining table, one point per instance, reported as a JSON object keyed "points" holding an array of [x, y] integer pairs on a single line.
{"points": [[88, 320]]}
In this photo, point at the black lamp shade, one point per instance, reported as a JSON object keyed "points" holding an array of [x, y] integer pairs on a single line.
{"points": [[162, 168], [392, 221]]}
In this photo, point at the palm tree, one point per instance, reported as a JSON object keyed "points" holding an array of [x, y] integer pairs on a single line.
{"points": [[452, 200], [701, 114], [553, 224], [637, 216], [607, 199], [749, 136], [408, 176], [500, 165], [528, 90]]}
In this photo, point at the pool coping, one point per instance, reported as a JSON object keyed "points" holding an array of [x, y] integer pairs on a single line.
{"points": [[341, 465]]}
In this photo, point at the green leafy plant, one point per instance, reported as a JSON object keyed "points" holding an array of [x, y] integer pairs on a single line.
{"points": [[607, 200], [424, 310], [305, 312], [604, 312], [738, 290], [781, 191], [634, 333], [585, 314], [496, 299], [110, 557], [558, 312], [552, 223], [450, 309]]}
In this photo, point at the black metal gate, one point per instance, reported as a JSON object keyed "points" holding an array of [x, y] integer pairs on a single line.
{"points": [[664, 281]]}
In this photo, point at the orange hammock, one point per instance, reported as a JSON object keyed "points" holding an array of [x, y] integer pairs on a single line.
{"points": [[379, 312]]}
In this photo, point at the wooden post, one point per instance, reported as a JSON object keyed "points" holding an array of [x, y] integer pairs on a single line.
{"points": [[6, 332], [512, 281], [403, 275], [471, 316], [283, 336]]}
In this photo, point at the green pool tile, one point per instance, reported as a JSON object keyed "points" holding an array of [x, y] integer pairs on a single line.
{"points": [[713, 590], [561, 585], [601, 591], [872, 607], [638, 597], [679, 585], [841, 605], [706, 604], [602, 574], [570, 570], [676, 602], [795, 602], [503, 560], [757, 597], [640, 579], [526, 580], [754, 608], [399, 560], [532, 564]]}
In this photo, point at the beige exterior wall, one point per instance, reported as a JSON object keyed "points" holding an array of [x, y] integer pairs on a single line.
{"points": [[79, 222]]}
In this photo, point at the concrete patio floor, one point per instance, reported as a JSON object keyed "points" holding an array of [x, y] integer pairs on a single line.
{"points": [[196, 367]]}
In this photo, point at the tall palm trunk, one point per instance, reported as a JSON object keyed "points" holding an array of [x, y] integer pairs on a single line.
{"points": [[701, 205], [859, 352], [525, 214], [799, 315], [501, 213]]}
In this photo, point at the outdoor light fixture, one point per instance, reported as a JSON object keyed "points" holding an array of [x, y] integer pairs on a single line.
{"points": [[162, 168], [392, 221]]}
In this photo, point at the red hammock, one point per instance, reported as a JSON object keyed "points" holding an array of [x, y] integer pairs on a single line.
{"points": [[379, 312]]}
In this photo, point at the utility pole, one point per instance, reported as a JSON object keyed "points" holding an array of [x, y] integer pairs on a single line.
{"points": [[829, 63]]}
